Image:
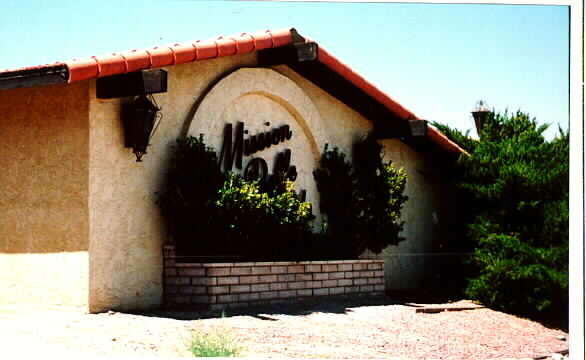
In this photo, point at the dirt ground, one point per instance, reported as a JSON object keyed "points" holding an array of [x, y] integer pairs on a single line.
{"points": [[345, 328]]}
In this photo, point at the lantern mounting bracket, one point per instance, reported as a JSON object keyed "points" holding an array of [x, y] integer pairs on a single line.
{"points": [[132, 84]]}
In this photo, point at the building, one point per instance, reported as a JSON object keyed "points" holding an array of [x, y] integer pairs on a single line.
{"points": [[79, 226]]}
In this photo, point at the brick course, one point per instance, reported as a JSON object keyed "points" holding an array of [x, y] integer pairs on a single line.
{"points": [[228, 285], [218, 271], [304, 292], [320, 276], [267, 278], [204, 281], [320, 292], [249, 279], [258, 270], [241, 270], [259, 287], [228, 280], [286, 278]]}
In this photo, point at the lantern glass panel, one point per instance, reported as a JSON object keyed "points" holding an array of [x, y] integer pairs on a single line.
{"points": [[139, 122]]}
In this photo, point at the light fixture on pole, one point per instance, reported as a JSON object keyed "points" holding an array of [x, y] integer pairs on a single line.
{"points": [[480, 115]]}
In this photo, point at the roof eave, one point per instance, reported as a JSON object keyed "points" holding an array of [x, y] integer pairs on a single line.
{"points": [[34, 76], [443, 141], [135, 60], [433, 134]]}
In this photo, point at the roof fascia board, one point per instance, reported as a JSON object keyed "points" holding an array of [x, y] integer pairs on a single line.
{"points": [[31, 77]]}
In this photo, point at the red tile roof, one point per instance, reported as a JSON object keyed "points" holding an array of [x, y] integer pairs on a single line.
{"points": [[100, 66], [134, 60]]}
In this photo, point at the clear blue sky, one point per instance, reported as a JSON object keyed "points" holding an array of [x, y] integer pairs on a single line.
{"points": [[437, 60]]}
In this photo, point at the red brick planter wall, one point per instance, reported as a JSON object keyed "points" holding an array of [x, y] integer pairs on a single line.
{"points": [[221, 285]]}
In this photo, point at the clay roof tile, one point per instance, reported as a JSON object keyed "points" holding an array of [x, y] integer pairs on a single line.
{"points": [[242, 43]]}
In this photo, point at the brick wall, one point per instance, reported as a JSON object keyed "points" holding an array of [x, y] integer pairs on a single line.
{"points": [[221, 285]]}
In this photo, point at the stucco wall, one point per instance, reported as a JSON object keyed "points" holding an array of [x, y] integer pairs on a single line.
{"points": [[263, 100], [407, 264], [69, 184], [341, 124], [44, 203], [126, 233], [55, 200]]}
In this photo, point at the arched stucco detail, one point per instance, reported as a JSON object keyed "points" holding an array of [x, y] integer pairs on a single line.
{"points": [[262, 82]]}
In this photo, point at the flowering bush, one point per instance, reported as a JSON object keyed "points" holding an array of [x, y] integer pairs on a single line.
{"points": [[218, 215]]}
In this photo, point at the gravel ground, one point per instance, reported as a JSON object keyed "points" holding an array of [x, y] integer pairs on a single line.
{"points": [[347, 328]]}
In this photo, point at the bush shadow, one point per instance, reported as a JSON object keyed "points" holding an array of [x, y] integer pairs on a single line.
{"points": [[343, 304], [297, 307], [340, 304]]}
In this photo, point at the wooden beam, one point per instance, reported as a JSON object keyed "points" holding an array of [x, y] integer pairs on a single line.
{"points": [[418, 128], [288, 55], [132, 84]]}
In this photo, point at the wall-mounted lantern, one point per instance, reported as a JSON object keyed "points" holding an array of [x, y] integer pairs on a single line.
{"points": [[142, 116], [480, 115], [141, 119]]}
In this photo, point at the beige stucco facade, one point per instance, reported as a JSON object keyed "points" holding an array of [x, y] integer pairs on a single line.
{"points": [[407, 264], [79, 224], [44, 222], [126, 233]]}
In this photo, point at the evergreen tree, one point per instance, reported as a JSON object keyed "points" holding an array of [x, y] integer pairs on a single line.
{"points": [[515, 185]]}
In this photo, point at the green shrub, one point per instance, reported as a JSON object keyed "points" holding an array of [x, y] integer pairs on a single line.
{"points": [[268, 221], [245, 219], [362, 199], [517, 277], [215, 343], [379, 193], [188, 196], [335, 184], [267, 224], [515, 188]]}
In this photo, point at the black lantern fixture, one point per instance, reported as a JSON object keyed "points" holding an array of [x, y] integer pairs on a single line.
{"points": [[141, 120], [480, 115]]}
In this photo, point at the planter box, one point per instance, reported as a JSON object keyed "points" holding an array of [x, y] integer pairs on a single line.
{"points": [[223, 285]]}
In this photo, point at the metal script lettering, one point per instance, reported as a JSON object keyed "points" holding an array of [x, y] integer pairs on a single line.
{"points": [[263, 140], [256, 169], [230, 154], [283, 165]]}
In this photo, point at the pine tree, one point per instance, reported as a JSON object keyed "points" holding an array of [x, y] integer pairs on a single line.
{"points": [[516, 187]]}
